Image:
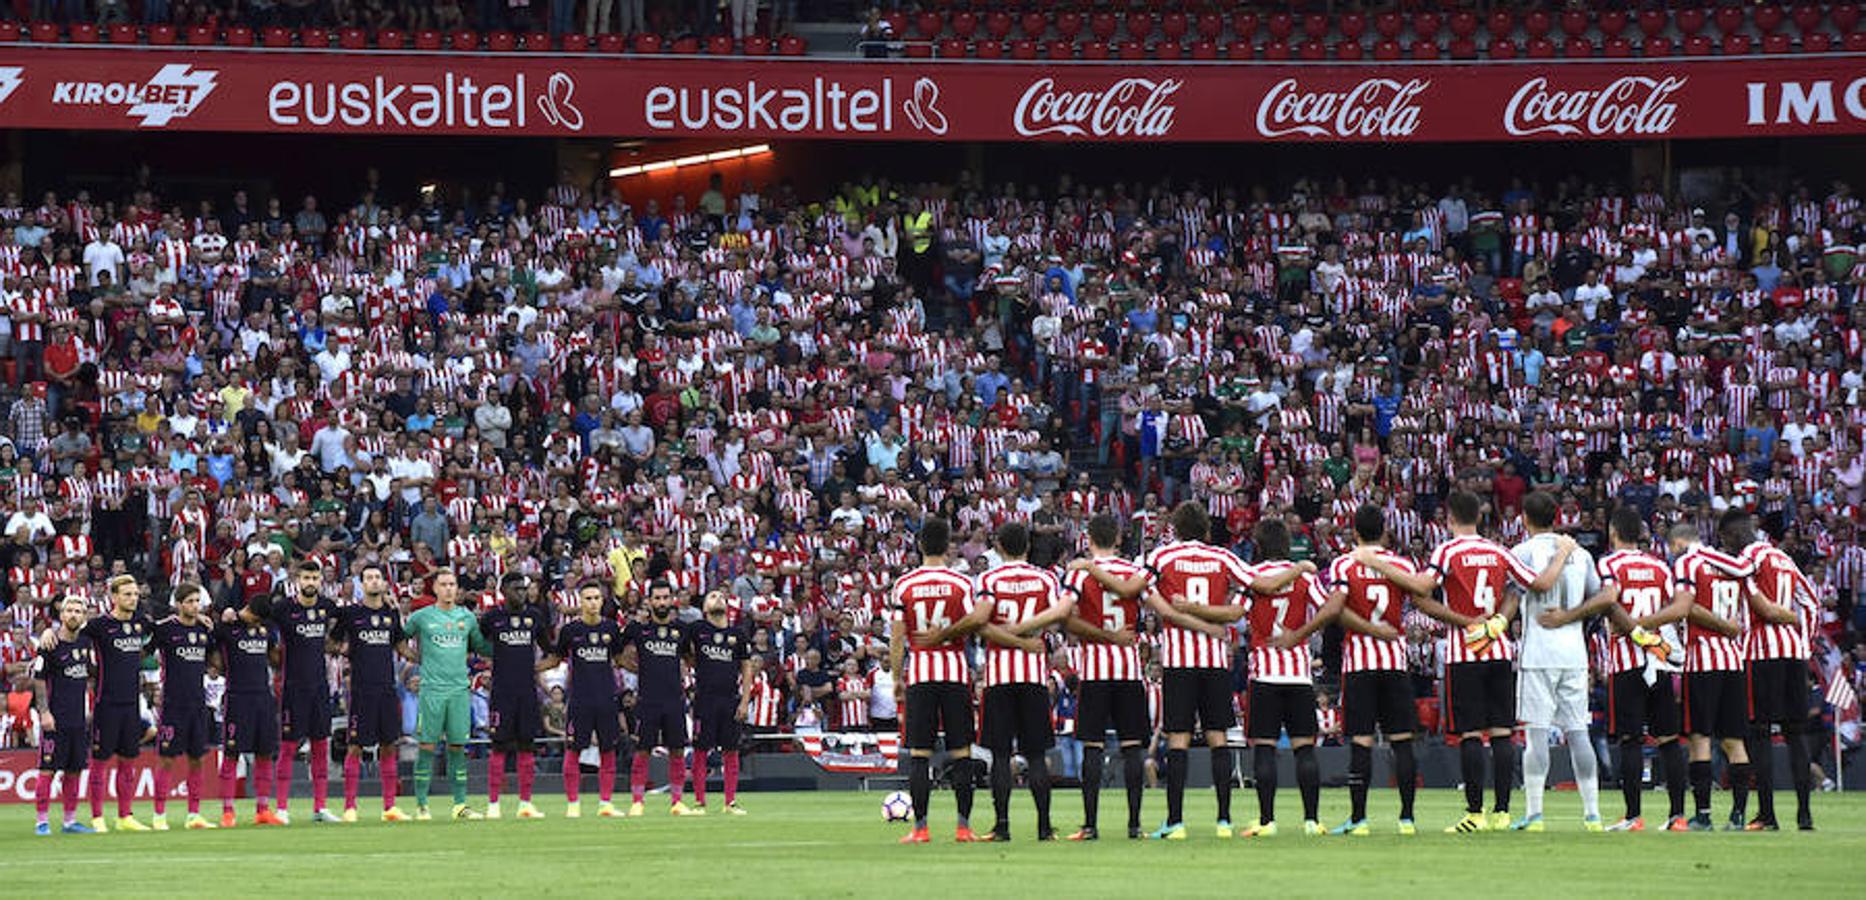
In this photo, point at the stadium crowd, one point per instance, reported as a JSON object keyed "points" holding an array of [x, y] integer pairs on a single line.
{"points": [[764, 393]]}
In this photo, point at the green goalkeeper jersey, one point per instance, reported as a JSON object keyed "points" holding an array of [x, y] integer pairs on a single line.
{"points": [[444, 636]]}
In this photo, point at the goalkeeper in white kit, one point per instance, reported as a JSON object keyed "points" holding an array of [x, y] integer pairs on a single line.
{"points": [[1552, 678]]}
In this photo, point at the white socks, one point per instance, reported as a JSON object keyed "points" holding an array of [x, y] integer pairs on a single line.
{"points": [[1535, 767], [1586, 772]]}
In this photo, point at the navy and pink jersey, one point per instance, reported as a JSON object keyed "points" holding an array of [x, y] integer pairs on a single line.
{"points": [[118, 645], [371, 636], [591, 651], [657, 661], [182, 651]]}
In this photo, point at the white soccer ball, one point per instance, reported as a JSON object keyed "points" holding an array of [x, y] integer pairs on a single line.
{"points": [[897, 807]]}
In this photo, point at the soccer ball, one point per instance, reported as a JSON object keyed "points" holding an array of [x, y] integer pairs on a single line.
{"points": [[897, 807]]}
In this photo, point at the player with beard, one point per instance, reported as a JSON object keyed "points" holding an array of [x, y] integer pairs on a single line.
{"points": [[367, 635], [61, 673], [181, 642], [304, 697], [518, 633], [248, 646], [723, 674], [118, 638], [661, 702]]}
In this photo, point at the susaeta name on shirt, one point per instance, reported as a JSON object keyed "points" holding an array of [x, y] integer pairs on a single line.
{"points": [[823, 106], [451, 101]]}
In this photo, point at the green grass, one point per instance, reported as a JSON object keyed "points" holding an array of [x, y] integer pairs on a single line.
{"points": [[835, 844]]}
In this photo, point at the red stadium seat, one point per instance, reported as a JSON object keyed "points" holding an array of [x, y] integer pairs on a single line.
{"points": [[1386, 50], [425, 39], [998, 24], [238, 36], [313, 36], [541, 40], [1652, 22], [162, 35], [9, 32], [1690, 21], [1059, 50], [1210, 25], [1611, 22], [1024, 48], [45, 32], [1315, 26], [1855, 42], [1767, 18], [1240, 50], [1699, 45], [576, 42], [719, 45], [929, 24], [1168, 50], [963, 24], [1575, 22], [1035, 25], [1353, 25], [1844, 16], [687, 45], [501, 41], [1204, 49], [1536, 23], [84, 32], [352, 38], [1540, 48], [1312, 51], [647, 43], [1736, 44], [1728, 18], [1174, 25], [1616, 48], [753, 45], [464, 39], [951, 48], [1095, 50], [1244, 25], [1069, 24], [1777, 43], [988, 50], [1807, 17], [1348, 51], [1426, 25], [1276, 51], [124, 33], [1424, 49], [611, 43], [1464, 23], [1102, 25], [1280, 25], [1657, 46], [792, 45], [1817, 42], [1502, 49], [1501, 25], [897, 24], [1131, 50], [1388, 25], [1139, 26], [1577, 48]]}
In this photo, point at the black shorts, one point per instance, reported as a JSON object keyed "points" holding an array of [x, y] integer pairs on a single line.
{"points": [[1635, 708], [116, 731], [1480, 696], [304, 714], [62, 750], [661, 725], [1276, 708], [375, 718], [1778, 691], [515, 722], [185, 732], [1121, 705], [1019, 712], [1716, 704], [601, 722], [934, 707], [1377, 698], [251, 726], [716, 724], [1199, 697]]}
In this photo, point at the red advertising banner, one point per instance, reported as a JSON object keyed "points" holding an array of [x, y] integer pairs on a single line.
{"points": [[19, 777], [562, 95]]}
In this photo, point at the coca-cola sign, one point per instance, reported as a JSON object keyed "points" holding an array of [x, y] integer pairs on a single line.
{"points": [[1629, 105], [1128, 108], [1374, 108]]}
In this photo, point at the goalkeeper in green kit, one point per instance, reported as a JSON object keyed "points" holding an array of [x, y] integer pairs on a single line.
{"points": [[440, 635]]}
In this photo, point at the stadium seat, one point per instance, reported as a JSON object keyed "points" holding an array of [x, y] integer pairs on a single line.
{"points": [[1059, 49], [1174, 25], [1736, 44], [998, 24], [1502, 49], [1767, 18], [1844, 16], [753, 45], [539, 40], [792, 45], [1611, 22], [1699, 45], [1657, 46], [988, 49], [1536, 23], [201, 36], [576, 42], [1426, 26], [611, 43], [897, 24], [1615, 48], [162, 35], [1729, 19], [1577, 48], [501, 41], [464, 40], [1424, 50], [1855, 42], [1069, 24], [1348, 51], [1139, 26], [1353, 25], [1276, 51], [1386, 50], [1280, 25], [1575, 22], [1807, 17], [1315, 26], [1102, 25], [1817, 42], [1240, 50], [314, 37], [1652, 22], [45, 32], [1464, 24], [719, 45], [1777, 43], [1095, 50], [1168, 50], [1210, 26], [1244, 25], [1540, 48], [929, 24], [647, 43], [351, 38], [84, 32], [1461, 48], [1311, 51], [1035, 25], [686, 45], [1387, 25], [1132, 50], [9, 32], [964, 24], [425, 39], [238, 36], [124, 33], [1023, 48], [1691, 20], [951, 48], [1501, 25], [1204, 49]]}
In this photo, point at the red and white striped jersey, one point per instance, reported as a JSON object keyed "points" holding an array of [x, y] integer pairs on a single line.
{"points": [[1716, 582], [1472, 570], [852, 711], [1108, 611], [1202, 575], [1781, 582], [1643, 582], [767, 703], [1375, 599], [1272, 614], [933, 597], [1018, 592]]}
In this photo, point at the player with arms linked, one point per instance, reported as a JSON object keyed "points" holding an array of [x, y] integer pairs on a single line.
{"points": [[366, 635], [117, 638], [1104, 623], [441, 634], [1282, 687], [185, 723], [660, 699], [304, 698], [592, 643], [518, 633], [719, 654], [61, 675], [1023, 600], [248, 645]]}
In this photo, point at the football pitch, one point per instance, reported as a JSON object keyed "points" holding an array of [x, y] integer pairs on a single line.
{"points": [[835, 844]]}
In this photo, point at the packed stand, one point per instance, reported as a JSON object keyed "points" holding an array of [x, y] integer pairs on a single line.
{"points": [[764, 394]]}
